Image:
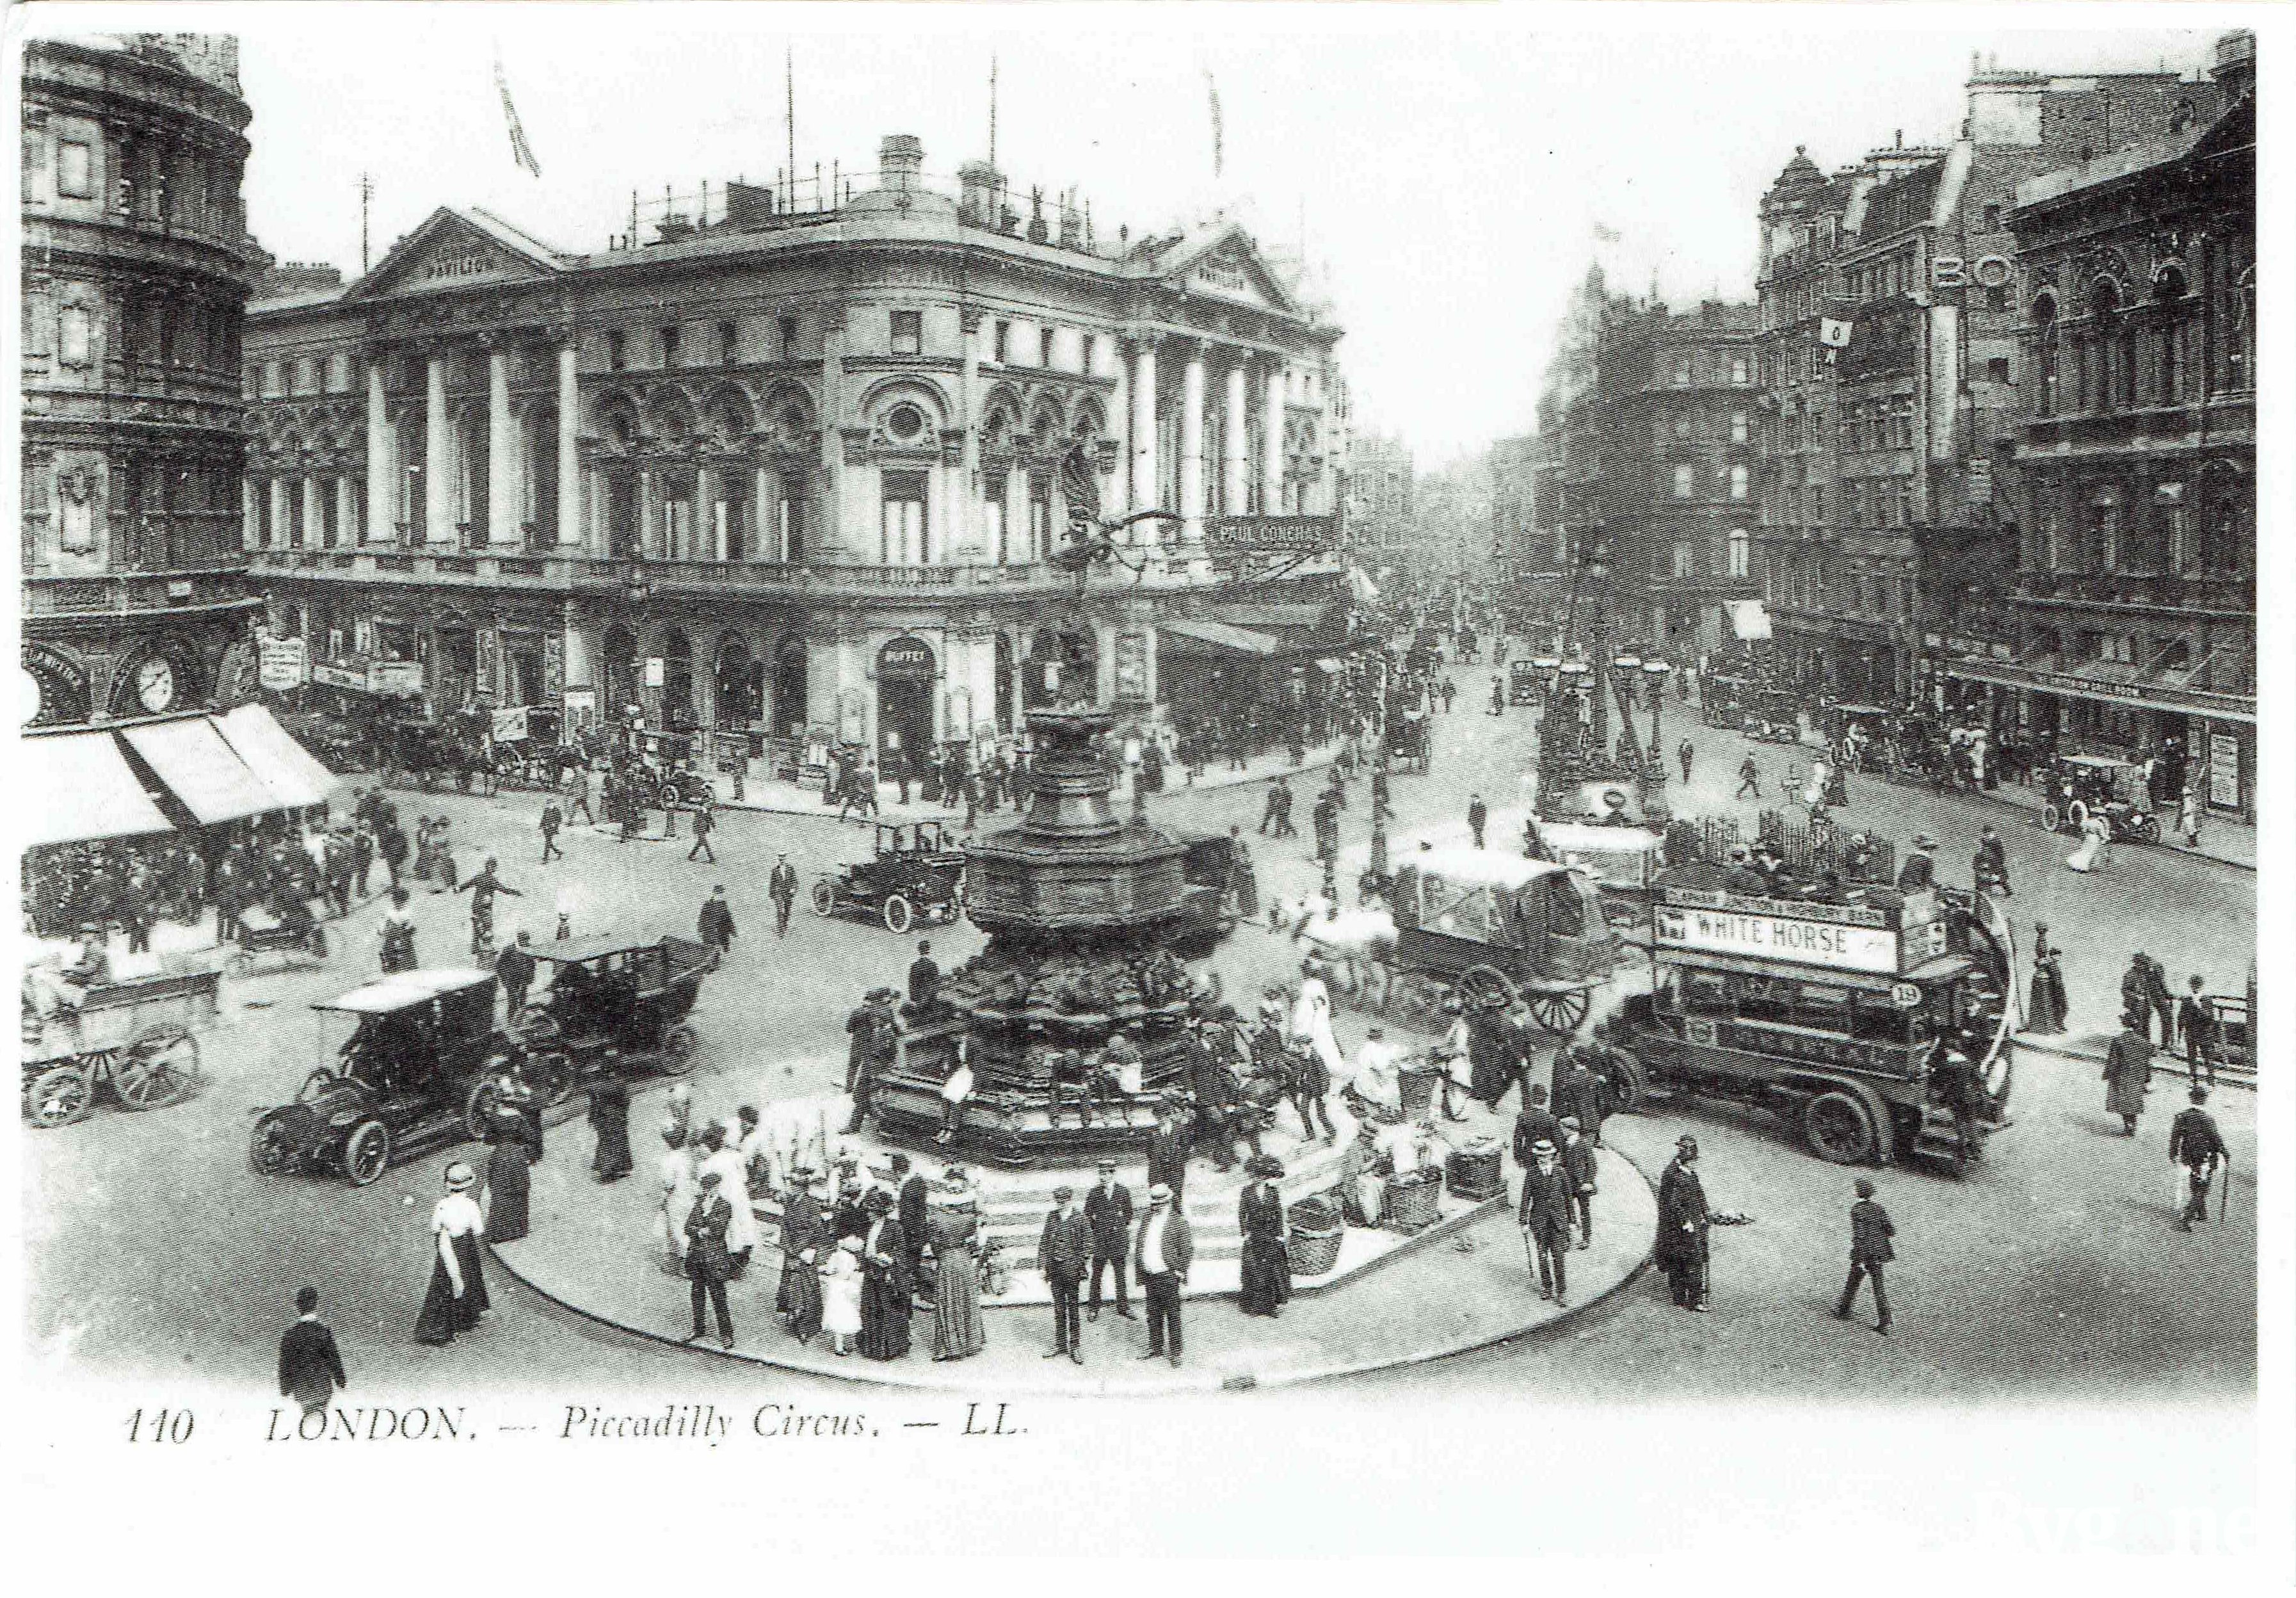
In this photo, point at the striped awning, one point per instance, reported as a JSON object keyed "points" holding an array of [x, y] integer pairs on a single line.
{"points": [[197, 765]]}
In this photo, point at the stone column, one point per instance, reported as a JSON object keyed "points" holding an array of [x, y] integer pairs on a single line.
{"points": [[249, 525], [765, 541], [1235, 469], [382, 470], [1192, 445], [570, 456], [506, 498], [832, 533], [438, 450], [279, 513], [346, 504], [1120, 422], [965, 482], [1144, 430], [1271, 430]]}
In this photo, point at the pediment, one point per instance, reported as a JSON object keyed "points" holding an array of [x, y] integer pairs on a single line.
{"points": [[450, 251], [1227, 266]]}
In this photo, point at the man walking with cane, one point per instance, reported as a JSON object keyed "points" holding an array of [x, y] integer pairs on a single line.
{"points": [[1544, 1217]]}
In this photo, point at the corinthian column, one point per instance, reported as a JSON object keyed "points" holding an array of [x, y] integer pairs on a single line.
{"points": [[1271, 445], [504, 497], [438, 454], [569, 458], [381, 489], [1143, 429], [1192, 445], [1235, 468]]}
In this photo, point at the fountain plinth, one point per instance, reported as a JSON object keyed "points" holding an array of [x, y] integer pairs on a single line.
{"points": [[1082, 908]]}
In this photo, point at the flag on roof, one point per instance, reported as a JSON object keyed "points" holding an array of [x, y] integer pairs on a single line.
{"points": [[520, 151]]}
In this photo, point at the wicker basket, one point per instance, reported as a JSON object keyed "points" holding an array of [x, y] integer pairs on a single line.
{"points": [[1316, 1230], [1475, 1172], [1417, 1086], [1413, 1206]]}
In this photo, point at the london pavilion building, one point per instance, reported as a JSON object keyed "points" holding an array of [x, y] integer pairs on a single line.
{"points": [[791, 472]]}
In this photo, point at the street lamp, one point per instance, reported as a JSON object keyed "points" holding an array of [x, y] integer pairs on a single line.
{"points": [[1654, 673]]}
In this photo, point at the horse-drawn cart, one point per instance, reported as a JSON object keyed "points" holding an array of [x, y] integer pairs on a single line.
{"points": [[134, 1035]]}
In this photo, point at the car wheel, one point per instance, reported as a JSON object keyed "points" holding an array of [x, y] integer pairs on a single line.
{"points": [[160, 1068], [367, 1153], [551, 1074], [897, 914], [1626, 1084], [678, 1047], [1839, 1129], [478, 1109], [2051, 818], [271, 1150], [824, 897]]}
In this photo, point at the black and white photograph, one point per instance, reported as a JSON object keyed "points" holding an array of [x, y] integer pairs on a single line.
{"points": [[1246, 780]]}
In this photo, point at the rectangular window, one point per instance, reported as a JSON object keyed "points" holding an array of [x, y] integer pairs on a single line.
{"points": [[902, 536], [1996, 369], [992, 490], [72, 336], [1003, 341], [1685, 559], [729, 347], [789, 531], [1682, 371], [1740, 549], [908, 332], [1737, 368], [789, 338], [1045, 347], [1685, 479], [75, 170], [617, 352], [1738, 483], [1738, 427], [668, 347], [1040, 518]]}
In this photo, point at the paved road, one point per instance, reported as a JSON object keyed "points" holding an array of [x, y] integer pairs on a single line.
{"points": [[2052, 1269]]}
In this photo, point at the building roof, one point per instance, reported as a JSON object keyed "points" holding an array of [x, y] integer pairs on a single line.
{"points": [[2104, 169]]}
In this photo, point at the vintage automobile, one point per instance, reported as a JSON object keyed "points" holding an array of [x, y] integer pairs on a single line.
{"points": [[1208, 910], [1771, 716], [424, 1066], [915, 871], [607, 992], [1839, 1014], [134, 1036], [1494, 929], [1410, 743], [2078, 785]]}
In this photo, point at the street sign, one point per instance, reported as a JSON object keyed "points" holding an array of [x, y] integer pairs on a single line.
{"points": [[282, 664]]}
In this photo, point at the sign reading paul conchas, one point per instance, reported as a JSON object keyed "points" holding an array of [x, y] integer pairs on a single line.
{"points": [[1846, 937], [1231, 536]]}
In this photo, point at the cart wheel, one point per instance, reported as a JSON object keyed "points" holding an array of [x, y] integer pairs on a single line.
{"points": [[897, 914], [1560, 1012], [1487, 987], [58, 1096], [551, 1074], [1839, 1129], [679, 1045], [1629, 1087], [367, 1153], [2077, 814], [271, 1150], [160, 1068], [316, 1084], [239, 964], [824, 897]]}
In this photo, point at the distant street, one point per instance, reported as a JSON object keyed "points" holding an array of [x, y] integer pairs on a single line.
{"points": [[2053, 1267]]}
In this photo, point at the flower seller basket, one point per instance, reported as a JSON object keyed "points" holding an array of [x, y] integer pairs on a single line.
{"points": [[1414, 1200], [1476, 1171], [1316, 1230]]}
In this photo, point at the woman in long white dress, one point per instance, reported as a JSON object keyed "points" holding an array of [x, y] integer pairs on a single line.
{"points": [[840, 1295], [680, 1183], [1311, 1019], [2095, 845]]}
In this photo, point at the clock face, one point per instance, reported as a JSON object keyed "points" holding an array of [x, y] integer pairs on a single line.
{"points": [[155, 685]]}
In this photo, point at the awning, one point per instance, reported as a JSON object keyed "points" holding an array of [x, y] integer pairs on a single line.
{"points": [[83, 790], [1217, 637], [283, 765], [200, 769], [1749, 620], [2110, 683]]}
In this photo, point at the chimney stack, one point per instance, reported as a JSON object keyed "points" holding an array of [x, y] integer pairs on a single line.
{"points": [[900, 161]]}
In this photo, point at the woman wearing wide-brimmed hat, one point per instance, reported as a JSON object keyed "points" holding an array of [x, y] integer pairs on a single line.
{"points": [[457, 1295], [1267, 1261], [953, 1226]]}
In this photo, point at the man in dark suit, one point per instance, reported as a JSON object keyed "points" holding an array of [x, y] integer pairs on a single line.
{"points": [[1579, 1092], [1168, 1150], [1544, 1218], [925, 980], [310, 1369], [1535, 1122], [781, 887], [2196, 1024], [1578, 1163], [1870, 1231], [1919, 873], [1108, 1211], [1162, 1250], [715, 925], [1062, 1254], [910, 1186], [707, 1264], [2196, 1144]]}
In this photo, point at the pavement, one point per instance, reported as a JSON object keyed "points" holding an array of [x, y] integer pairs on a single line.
{"points": [[1455, 1286], [2053, 1269]]}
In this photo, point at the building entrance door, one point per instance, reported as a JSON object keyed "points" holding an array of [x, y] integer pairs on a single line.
{"points": [[906, 668]]}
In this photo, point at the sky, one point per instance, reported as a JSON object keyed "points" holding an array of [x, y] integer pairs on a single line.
{"points": [[1447, 166]]}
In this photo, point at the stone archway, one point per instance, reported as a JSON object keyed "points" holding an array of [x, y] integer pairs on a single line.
{"points": [[792, 686], [741, 684]]}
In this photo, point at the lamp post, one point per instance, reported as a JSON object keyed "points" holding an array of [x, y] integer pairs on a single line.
{"points": [[1654, 673]]}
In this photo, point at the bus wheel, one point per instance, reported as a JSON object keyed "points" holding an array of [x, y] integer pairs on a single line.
{"points": [[1839, 1129]]}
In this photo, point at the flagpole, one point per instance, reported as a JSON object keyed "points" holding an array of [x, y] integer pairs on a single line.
{"points": [[788, 109]]}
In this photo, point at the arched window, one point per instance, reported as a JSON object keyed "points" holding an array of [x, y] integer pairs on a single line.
{"points": [[2098, 379]]}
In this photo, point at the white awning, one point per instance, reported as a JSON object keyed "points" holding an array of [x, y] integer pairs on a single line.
{"points": [[271, 751], [1749, 620], [79, 789], [195, 763]]}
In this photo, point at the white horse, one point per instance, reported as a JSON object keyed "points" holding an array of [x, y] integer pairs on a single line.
{"points": [[1359, 946]]}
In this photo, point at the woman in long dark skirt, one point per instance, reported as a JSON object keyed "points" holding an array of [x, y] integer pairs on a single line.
{"points": [[886, 1290], [610, 1119], [801, 1293], [1267, 1261], [508, 1181], [457, 1295]]}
